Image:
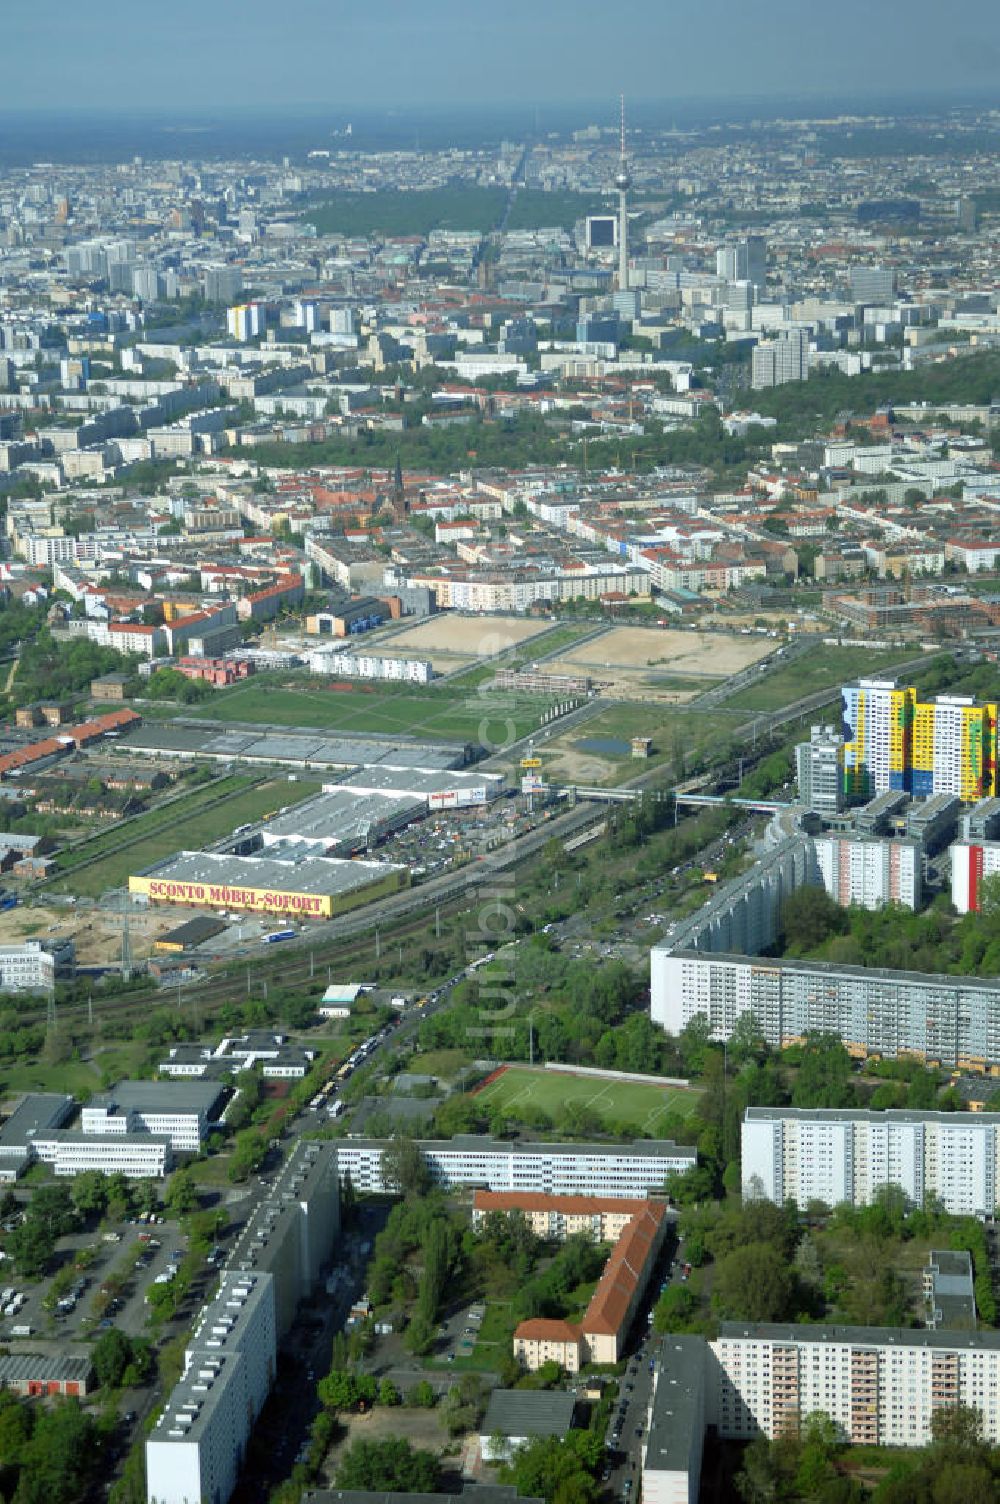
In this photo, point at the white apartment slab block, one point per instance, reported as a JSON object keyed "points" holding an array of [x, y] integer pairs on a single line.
{"points": [[834, 1156], [625, 1170]]}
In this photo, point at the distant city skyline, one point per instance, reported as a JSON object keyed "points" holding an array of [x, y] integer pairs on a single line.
{"points": [[192, 57]]}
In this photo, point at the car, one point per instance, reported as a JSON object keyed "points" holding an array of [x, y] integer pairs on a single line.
{"points": [[130, 1417], [104, 1324], [177, 1253], [638, 1430]]}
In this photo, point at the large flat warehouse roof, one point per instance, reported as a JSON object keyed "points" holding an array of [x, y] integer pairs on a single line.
{"points": [[420, 782], [293, 745], [340, 813], [320, 875]]}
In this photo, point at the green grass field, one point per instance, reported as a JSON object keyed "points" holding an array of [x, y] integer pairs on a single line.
{"points": [[633, 1102], [675, 730], [191, 829], [178, 808], [445, 715], [822, 668]]}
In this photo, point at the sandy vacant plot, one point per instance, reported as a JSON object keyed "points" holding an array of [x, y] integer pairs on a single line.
{"points": [[97, 933], [475, 636], [652, 652]]}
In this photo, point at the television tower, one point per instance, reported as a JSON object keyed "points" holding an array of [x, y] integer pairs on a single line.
{"points": [[623, 183]]}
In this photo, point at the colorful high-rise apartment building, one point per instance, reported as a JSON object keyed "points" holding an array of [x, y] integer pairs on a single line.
{"points": [[893, 740]]}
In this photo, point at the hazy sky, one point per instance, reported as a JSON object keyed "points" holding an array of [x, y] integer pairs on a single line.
{"points": [[198, 55]]}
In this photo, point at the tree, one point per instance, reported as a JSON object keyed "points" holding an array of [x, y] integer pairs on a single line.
{"points": [[824, 1078], [751, 1284], [419, 1335], [693, 1043], [119, 1360], [555, 1468], [387, 1465], [422, 1396], [388, 1394], [31, 1246], [59, 1461], [674, 1309], [808, 917], [181, 1197], [52, 1207], [337, 1390], [90, 1192], [404, 1168], [746, 1042], [692, 1186]]}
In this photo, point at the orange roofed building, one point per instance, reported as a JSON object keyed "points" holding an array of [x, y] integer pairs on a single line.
{"points": [[637, 1229]]}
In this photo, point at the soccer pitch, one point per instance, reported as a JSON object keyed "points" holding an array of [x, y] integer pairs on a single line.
{"points": [[634, 1103]]}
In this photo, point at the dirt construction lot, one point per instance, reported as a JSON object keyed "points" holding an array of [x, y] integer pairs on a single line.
{"points": [[97, 933], [472, 636], [645, 654]]}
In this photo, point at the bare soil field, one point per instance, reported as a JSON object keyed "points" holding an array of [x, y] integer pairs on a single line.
{"points": [[97, 933], [645, 654], [473, 636]]}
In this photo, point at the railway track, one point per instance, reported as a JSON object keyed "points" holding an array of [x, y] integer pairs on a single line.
{"points": [[404, 915]]}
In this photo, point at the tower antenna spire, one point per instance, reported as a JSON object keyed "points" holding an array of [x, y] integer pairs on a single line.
{"points": [[623, 183]]}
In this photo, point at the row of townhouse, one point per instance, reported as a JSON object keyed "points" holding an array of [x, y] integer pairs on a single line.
{"points": [[636, 1228], [518, 590]]}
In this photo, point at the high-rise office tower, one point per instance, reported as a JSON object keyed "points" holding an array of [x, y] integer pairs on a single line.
{"points": [[222, 283], [743, 260], [779, 360], [873, 284]]}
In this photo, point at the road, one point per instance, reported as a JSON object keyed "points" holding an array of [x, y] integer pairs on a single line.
{"points": [[628, 1423]]}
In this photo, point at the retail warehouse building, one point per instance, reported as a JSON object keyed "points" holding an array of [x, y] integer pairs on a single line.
{"points": [[309, 887]]}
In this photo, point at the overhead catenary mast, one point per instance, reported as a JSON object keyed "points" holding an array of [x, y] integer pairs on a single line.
{"points": [[623, 183]]}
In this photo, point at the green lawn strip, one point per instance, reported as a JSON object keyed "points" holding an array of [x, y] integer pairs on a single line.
{"points": [[824, 667], [205, 824], [170, 811]]}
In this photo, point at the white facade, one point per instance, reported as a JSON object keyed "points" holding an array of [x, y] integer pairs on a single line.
{"points": [[636, 1170], [870, 872], [880, 1386], [29, 967], [178, 1111], [971, 861], [846, 1156], [196, 1449], [245, 321], [141, 1156], [954, 1021], [371, 666]]}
